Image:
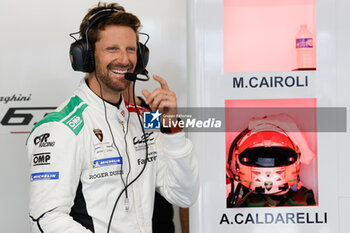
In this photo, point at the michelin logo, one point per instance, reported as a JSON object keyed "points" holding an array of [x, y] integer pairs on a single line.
{"points": [[45, 176], [151, 120], [107, 162]]}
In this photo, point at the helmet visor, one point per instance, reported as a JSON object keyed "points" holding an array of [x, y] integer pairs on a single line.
{"points": [[268, 156]]}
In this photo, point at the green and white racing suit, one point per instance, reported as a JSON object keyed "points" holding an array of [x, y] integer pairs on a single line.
{"points": [[80, 163]]}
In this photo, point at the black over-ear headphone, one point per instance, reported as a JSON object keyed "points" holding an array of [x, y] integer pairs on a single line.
{"points": [[82, 52]]}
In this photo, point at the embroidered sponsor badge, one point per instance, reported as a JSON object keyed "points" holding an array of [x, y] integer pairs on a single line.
{"points": [[45, 176], [99, 134]]}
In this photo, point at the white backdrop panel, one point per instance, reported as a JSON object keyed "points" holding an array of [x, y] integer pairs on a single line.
{"points": [[210, 86], [35, 66]]}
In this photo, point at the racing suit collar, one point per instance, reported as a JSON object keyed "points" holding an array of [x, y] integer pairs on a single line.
{"points": [[93, 100]]}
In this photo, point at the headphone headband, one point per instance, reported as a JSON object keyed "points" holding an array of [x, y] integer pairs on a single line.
{"points": [[100, 12], [95, 17]]}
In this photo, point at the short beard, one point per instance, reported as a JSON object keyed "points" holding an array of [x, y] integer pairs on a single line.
{"points": [[103, 75]]}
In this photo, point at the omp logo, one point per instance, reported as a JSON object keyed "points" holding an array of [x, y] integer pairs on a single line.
{"points": [[151, 120], [107, 162], [74, 122], [45, 176], [42, 139], [41, 159]]}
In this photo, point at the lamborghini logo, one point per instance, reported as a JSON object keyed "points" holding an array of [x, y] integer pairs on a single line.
{"points": [[98, 134]]}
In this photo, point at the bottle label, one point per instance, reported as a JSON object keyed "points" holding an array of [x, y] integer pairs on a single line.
{"points": [[304, 43]]}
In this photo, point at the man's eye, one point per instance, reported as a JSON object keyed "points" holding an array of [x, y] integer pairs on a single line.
{"points": [[132, 50], [112, 49]]}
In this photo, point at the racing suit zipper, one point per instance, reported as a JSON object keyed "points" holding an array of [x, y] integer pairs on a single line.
{"points": [[126, 201], [122, 123]]}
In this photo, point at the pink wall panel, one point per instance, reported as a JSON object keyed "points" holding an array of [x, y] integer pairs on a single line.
{"points": [[260, 35]]}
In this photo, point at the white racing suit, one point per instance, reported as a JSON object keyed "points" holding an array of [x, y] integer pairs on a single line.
{"points": [[79, 165]]}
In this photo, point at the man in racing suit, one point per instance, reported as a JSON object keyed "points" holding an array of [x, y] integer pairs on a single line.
{"points": [[89, 168]]}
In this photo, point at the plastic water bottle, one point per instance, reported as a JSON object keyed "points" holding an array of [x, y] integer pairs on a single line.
{"points": [[306, 57]]}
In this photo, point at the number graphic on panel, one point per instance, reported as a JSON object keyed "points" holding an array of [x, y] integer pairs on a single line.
{"points": [[21, 116]]}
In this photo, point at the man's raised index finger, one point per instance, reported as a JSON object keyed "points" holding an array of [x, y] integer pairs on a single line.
{"points": [[162, 82]]}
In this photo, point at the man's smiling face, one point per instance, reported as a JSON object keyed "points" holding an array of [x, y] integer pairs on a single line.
{"points": [[115, 55]]}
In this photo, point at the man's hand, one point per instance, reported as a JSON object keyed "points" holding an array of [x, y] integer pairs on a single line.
{"points": [[163, 99]]}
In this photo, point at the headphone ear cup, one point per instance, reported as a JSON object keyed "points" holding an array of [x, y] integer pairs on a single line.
{"points": [[82, 56], [142, 58]]}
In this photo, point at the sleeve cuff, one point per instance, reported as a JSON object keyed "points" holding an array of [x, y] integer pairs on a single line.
{"points": [[175, 142], [171, 130]]}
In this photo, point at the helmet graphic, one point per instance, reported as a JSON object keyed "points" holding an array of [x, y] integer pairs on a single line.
{"points": [[265, 160]]}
